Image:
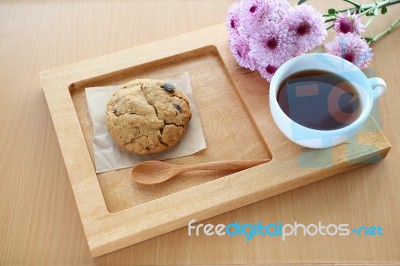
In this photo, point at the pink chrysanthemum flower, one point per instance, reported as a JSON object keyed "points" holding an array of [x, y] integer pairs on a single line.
{"points": [[352, 48], [308, 26], [267, 71], [278, 9], [253, 13], [346, 23], [272, 43], [232, 19], [240, 49], [282, 5]]}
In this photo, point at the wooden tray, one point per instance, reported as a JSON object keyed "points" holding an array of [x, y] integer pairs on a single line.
{"points": [[233, 105]]}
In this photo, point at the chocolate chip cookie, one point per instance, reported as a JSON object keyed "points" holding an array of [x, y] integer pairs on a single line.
{"points": [[147, 116]]}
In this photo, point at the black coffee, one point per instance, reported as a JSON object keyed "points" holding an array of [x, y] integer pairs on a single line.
{"points": [[319, 100]]}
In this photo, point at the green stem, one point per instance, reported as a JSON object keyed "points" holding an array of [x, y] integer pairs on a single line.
{"points": [[363, 9], [353, 3], [330, 18], [393, 3], [385, 32], [369, 21], [367, 11]]}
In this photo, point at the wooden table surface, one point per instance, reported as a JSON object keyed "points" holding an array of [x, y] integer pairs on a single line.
{"points": [[39, 221]]}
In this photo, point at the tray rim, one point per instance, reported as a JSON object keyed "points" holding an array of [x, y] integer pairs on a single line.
{"points": [[107, 232], [199, 52]]}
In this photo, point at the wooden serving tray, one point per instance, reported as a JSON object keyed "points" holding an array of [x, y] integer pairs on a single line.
{"points": [[234, 110]]}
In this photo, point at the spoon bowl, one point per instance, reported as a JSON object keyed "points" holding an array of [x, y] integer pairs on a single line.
{"points": [[155, 172]]}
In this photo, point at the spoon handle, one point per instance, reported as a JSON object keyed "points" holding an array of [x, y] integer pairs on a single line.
{"points": [[233, 165]]}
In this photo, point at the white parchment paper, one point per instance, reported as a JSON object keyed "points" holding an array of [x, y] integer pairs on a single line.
{"points": [[108, 156]]}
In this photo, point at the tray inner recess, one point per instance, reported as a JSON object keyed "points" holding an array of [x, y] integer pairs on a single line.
{"points": [[229, 131]]}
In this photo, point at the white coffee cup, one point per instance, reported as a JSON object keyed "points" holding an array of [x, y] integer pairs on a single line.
{"points": [[368, 90]]}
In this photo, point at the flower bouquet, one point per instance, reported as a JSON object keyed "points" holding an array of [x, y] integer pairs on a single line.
{"points": [[263, 34]]}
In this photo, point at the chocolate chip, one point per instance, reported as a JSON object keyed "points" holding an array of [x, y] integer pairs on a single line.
{"points": [[168, 87], [147, 148], [177, 106]]}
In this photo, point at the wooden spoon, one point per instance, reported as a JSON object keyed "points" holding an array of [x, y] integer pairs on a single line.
{"points": [[154, 172]]}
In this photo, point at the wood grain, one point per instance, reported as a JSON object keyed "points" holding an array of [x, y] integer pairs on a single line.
{"points": [[214, 95], [38, 214], [130, 215]]}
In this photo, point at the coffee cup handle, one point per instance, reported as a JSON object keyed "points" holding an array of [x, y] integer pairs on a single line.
{"points": [[378, 86]]}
